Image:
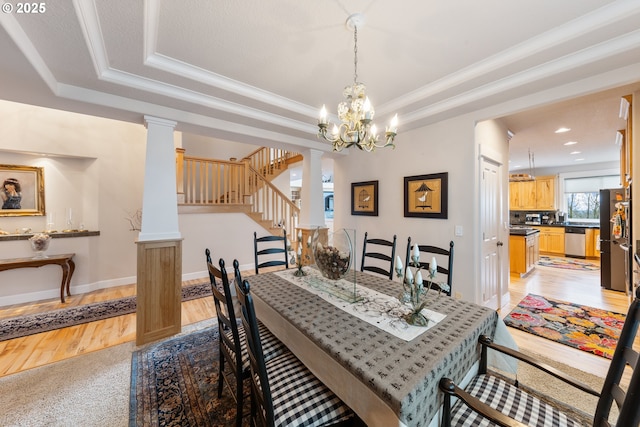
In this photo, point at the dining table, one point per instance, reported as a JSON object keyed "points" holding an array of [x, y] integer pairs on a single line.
{"points": [[386, 370]]}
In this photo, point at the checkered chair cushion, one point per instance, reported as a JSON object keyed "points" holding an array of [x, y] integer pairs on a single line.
{"points": [[509, 400], [299, 398], [271, 346]]}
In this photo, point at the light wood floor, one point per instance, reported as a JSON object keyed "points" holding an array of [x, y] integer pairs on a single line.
{"points": [[36, 350]]}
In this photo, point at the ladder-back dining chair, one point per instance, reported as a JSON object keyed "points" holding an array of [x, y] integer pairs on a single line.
{"points": [[373, 258], [492, 398], [284, 391], [444, 260], [272, 250], [231, 342]]}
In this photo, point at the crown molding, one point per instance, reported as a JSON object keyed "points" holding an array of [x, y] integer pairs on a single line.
{"points": [[17, 34]]}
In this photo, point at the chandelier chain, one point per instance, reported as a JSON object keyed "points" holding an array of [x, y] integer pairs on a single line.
{"points": [[355, 54]]}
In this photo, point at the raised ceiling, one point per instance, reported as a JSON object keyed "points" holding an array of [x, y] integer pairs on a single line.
{"points": [[258, 72]]}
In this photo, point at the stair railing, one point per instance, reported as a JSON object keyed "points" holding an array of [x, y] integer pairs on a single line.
{"points": [[210, 182], [272, 203], [270, 161]]}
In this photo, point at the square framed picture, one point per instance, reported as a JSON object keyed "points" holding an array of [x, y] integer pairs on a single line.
{"points": [[364, 198], [22, 191], [426, 196]]}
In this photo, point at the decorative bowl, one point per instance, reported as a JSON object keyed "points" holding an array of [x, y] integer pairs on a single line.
{"points": [[332, 253], [39, 244]]}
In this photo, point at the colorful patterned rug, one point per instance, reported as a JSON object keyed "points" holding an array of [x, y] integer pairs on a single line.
{"points": [[29, 324], [586, 328], [175, 383], [566, 263]]}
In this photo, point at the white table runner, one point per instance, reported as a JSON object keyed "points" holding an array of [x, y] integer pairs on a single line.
{"points": [[378, 309]]}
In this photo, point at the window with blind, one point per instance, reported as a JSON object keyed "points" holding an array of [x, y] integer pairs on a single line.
{"points": [[582, 196]]}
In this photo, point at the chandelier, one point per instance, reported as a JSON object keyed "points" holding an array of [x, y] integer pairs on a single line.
{"points": [[356, 112]]}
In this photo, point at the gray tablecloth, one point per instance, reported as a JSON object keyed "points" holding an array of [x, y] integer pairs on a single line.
{"points": [[404, 374]]}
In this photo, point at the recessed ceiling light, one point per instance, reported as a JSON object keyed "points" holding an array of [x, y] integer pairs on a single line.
{"points": [[571, 143], [579, 160], [563, 130], [575, 152]]}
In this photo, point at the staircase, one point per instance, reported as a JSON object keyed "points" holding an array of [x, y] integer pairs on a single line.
{"points": [[207, 185]]}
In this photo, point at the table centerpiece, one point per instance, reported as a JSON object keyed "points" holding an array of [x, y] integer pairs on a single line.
{"points": [[414, 288]]}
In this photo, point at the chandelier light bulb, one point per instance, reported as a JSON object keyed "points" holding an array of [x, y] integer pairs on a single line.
{"points": [[323, 115], [393, 126]]}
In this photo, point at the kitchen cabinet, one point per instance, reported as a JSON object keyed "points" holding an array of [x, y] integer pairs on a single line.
{"points": [[524, 253], [545, 193], [592, 249], [626, 145], [533, 195], [522, 195], [551, 240]]}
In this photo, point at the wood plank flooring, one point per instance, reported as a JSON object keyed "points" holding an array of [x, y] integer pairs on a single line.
{"points": [[36, 350]]}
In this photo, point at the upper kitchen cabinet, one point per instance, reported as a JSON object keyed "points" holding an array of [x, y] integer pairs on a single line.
{"points": [[522, 195], [624, 141], [545, 193], [538, 194]]}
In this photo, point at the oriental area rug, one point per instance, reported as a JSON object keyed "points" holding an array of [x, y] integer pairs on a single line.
{"points": [[579, 326], [29, 324], [175, 383], [567, 263]]}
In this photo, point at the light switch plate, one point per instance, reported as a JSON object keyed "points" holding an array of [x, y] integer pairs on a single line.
{"points": [[458, 230]]}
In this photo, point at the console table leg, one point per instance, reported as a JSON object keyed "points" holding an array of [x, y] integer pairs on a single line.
{"points": [[65, 274], [72, 268]]}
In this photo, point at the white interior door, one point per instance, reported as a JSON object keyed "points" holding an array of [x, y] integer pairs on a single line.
{"points": [[490, 219]]}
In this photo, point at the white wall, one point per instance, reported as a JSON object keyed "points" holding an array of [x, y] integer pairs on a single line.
{"points": [[447, 146], [96, 167], [92, 165]]}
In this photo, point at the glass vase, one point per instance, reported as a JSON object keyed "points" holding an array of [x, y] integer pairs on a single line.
{"points": [[39, 244], [332, 253]]}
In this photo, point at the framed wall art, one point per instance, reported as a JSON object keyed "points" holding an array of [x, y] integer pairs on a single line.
{"points": [[426, 196], [364, 198], [22, 191]]}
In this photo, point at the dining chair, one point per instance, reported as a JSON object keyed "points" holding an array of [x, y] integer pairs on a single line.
{"points": [[494, 398], [284, 391], [444, 268], [377, 258], [231, 342], [270, 247]]}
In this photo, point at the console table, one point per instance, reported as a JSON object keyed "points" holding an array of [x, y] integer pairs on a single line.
{"points": [[65, 262]]}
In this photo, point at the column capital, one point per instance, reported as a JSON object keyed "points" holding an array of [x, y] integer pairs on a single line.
{"points": [[158, 121]]}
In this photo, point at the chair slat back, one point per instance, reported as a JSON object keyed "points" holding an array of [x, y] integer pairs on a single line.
{"points": [[622, 356], [268, 247], [426, 252], [225, 313], [376, 254], [259, 377]]}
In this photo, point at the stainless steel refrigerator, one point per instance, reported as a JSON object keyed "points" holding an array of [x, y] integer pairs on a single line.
{"points": [[614, 251]]}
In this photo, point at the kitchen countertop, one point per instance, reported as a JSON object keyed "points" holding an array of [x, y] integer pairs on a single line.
{"points": [[522, 231], [562, 224]]}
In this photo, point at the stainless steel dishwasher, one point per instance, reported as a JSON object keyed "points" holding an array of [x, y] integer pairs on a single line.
{"points": [[574, 242]]}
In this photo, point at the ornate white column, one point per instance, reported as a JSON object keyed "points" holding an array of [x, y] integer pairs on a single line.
{"points": [[159, 271], [312, 210], [159, 201], [312, 198]]}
